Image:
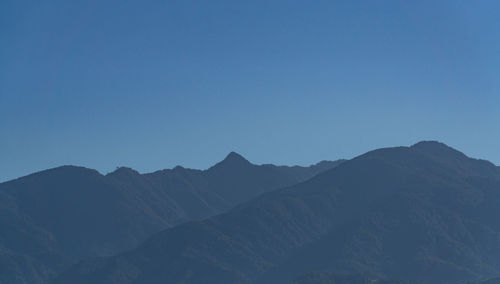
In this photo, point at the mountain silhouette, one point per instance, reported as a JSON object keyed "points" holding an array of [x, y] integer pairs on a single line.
{"points": [[425, 213], [56, 217]]}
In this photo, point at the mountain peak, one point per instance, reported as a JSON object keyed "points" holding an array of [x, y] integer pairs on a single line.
{"points": [[178, 168], [429, 144], [66, 170], [123, 171], [435, 147], [233, 159], [233, 156]]}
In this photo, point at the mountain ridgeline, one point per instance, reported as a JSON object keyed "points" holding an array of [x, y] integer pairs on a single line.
{"points": [[54, 218], [424, 214]]}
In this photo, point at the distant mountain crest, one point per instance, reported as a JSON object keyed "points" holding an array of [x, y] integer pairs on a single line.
{"points": [[447, 154], [435, 147], [233, 159], [123, 171]]}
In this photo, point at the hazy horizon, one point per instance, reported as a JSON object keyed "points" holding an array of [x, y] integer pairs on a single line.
{"points": [[104, 172], [152, 85]]}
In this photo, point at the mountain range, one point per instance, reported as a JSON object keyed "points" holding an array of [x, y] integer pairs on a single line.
{"points": [[55, 218], [424, 214]]}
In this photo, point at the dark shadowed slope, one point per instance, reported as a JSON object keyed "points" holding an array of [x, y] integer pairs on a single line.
{"points": [[493, 280], [425, 213], [28, 253], [55, 217], [332, 278]]}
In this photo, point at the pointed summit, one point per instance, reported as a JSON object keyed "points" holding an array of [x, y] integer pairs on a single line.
{"points": [[233, 160], [233, 156]]}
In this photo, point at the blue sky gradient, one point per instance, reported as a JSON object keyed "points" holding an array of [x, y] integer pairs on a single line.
{"points": [[153, 84]]}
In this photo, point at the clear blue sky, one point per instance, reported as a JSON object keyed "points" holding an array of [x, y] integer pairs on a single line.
{"points": [[153, 84]]}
